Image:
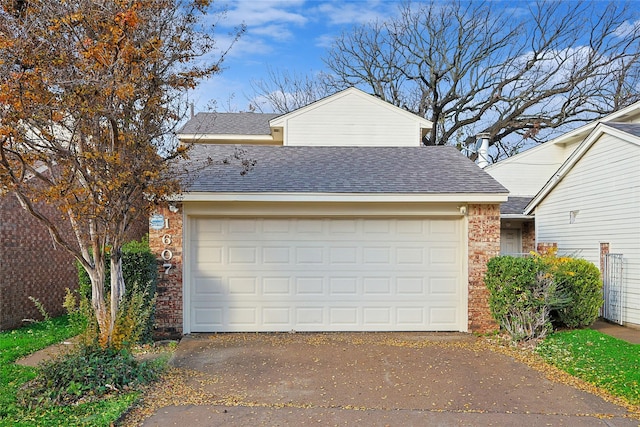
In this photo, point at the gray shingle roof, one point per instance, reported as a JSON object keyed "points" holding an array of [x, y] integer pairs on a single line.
{"points": [[514, 205], [229, 124], [630, 128], [333, 170]]}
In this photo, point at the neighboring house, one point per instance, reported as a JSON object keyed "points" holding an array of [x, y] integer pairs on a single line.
{"points": [[526, 173], [583, 190], [346, 222], [32, 266], [591, 207]]}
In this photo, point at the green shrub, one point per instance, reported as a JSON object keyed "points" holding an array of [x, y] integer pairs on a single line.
{"points": [[521, 296], [136, 317], [87, 373], [581, 280]]}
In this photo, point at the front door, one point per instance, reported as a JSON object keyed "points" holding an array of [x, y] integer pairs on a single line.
{"points": [[510, 241]]}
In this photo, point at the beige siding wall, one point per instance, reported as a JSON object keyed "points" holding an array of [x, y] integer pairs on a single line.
{"points": [[526, 173], [352, 120], [603, 191]]}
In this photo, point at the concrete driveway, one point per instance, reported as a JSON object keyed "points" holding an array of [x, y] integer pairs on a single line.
{"points": [[378, 379]]}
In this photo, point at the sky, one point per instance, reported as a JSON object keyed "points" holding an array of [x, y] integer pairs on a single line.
{"points": [[290, 35]]}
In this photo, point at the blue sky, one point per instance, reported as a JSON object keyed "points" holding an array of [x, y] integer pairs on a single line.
{"points": [[288, 35]]}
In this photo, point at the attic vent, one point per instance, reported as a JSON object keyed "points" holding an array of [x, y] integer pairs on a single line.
{"points": [[572, 216]]}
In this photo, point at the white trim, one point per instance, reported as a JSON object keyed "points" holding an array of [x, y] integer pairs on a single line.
{"points": [[345, 197], [598, 131], [186, 274], [516, 216], [465, 276], [186, 137]]}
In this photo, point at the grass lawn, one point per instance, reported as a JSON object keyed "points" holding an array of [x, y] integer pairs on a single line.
{"points": [[599, 359], [21, 342]]}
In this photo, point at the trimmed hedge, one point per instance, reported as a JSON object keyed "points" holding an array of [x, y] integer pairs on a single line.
{"points": [[522, 296], [581, 280], [525, 291]]}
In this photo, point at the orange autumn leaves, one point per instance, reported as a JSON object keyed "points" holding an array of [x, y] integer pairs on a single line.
{"points": [[89, 98]]}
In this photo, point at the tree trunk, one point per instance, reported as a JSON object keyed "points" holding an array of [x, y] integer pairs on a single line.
{"points": [[117, 287], [97, 276]]}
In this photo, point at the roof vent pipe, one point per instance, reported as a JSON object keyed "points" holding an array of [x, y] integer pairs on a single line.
{"points": [[482, 142]]}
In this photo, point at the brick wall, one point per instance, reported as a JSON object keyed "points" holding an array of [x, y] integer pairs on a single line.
{"points": [[168, 242], [544, 247], [528, 237], [32, 266], [484, 244]]}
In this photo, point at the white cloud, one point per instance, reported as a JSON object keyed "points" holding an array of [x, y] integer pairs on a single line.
{"points": [[341, 13], [280, 32], [256, 13], [627, 28], [325, 40]]}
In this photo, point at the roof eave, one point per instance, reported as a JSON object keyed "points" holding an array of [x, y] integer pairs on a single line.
{"points": [[344, 197], [198, 137], [516, 216]]}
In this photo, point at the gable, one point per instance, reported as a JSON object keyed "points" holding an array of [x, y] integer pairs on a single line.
{"points": [[611, 153], [526, 173], [352, 118]]}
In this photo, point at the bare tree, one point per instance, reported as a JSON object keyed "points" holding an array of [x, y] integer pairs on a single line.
{"points": [[282, 92], [520, 74]]}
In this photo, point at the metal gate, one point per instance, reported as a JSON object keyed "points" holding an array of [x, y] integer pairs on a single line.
{"points": [[612, 288]]}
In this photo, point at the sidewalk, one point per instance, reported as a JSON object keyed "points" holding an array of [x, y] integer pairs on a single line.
{"points": [[625, 333]]}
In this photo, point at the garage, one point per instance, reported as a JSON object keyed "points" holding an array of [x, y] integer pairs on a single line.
{"points": [[326, 238], [325, 274]]}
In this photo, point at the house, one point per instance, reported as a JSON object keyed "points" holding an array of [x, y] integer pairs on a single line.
{"points": [[33, 267], [526, 173], [343, 221], [583, 191]]}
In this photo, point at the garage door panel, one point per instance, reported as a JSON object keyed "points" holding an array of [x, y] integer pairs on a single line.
{"points": [[443, 316], [276, 255], [343, 255], [343, 316], [242, 316], [208, 286], [325, 274], [374, 286], [309, 285], [411, 316], [277, 286], [277, 316], [442, 286], [343, 226], [309, 254], [411, 286], [341, 286], [377, 316]]}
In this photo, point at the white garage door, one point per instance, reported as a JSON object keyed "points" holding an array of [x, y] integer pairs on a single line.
{"points": [[326, 275]]}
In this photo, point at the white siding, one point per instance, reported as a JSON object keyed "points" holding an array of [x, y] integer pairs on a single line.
{"points": [[352, 120], [604, 188], [526, 173]]}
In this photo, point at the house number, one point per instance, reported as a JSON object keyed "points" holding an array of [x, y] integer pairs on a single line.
{"points": [[167, 254]]}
